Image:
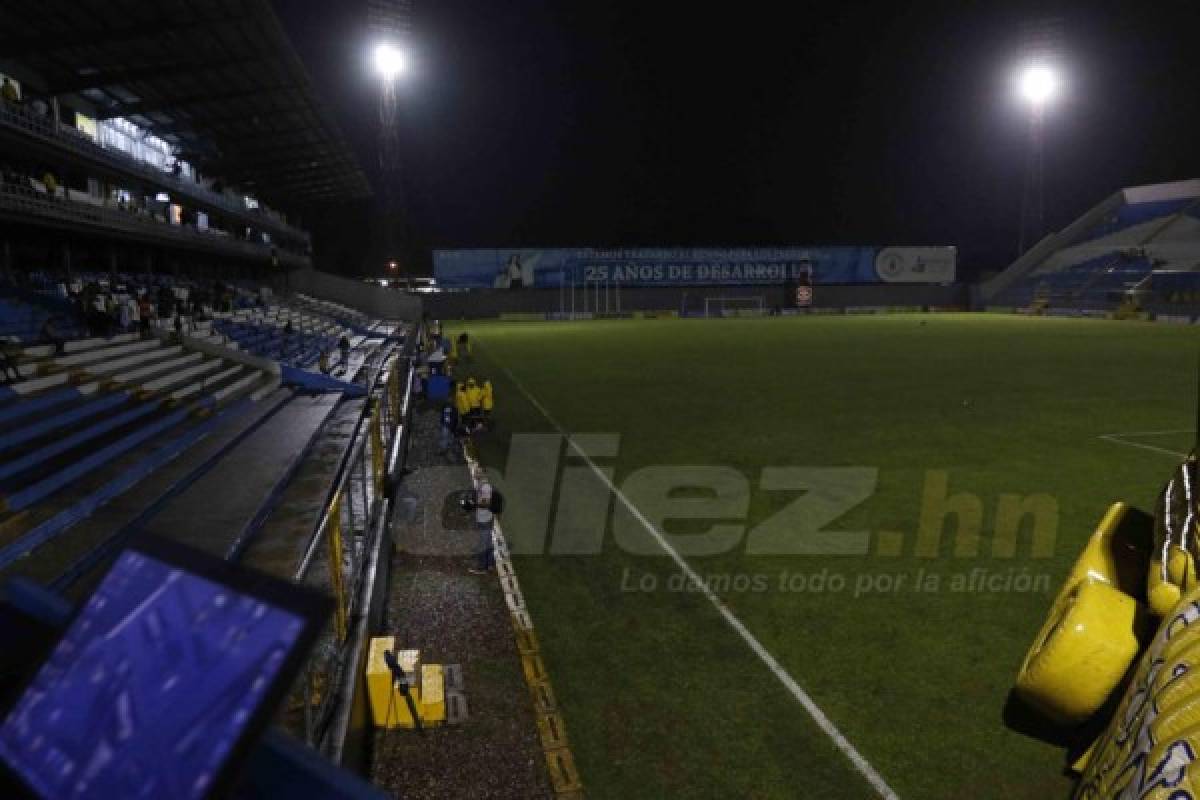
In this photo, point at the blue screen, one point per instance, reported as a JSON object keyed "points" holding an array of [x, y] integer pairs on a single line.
{"points": [[150, 688]]}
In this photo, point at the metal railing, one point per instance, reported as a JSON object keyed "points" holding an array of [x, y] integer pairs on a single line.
{"points": [[347, 536], [28, 123], [27, 201]]}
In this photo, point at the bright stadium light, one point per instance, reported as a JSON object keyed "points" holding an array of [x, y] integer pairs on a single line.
{"points": [[1038, 84], [390, 61]]}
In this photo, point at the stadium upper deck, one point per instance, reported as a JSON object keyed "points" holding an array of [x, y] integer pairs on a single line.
{"points": [[169, 126]]}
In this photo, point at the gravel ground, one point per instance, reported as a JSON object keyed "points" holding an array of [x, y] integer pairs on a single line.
{"points": [[454, 617]]}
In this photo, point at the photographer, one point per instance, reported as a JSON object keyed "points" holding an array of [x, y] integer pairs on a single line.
{"points": [[487, 504], [447, 429]]}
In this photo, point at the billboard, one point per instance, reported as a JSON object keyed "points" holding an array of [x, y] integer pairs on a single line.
{"points": [[538, 268]]}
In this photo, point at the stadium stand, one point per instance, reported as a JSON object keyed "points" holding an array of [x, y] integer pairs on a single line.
{"points": [[76, 419], [1140, 248], [163, 374]]}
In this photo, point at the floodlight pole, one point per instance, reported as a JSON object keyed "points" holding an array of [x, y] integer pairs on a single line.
{"points": [[1033, 198]]}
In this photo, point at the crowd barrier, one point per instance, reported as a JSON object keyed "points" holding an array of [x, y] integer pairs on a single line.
{"points": [[346, 556]]}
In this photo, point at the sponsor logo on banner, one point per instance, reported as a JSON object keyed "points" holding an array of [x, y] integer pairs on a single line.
{"points": [[916, 264]]}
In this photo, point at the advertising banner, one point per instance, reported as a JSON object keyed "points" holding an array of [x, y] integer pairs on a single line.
{"points": [[527, 268]]}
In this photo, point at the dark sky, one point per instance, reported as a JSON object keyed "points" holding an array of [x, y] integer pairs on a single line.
{"points": [[566, 122]]}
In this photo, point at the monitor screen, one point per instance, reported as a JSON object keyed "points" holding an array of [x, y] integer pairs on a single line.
{"points": [[151, 686]]}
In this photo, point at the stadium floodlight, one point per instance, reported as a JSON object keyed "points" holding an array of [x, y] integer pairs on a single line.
{"points": [[1038, 84], [390, 61]]}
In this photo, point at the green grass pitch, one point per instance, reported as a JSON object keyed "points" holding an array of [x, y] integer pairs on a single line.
{"points": [[663, 699]]}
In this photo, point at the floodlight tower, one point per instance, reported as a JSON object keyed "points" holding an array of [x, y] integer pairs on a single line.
{"points": [[390, 22], [1038, 84]]}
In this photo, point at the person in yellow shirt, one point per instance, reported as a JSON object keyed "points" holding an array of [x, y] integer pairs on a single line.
{"points": [[461, 403], [488, 399], [474, 398]]}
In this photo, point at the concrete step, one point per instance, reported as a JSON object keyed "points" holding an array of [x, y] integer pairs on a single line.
{"points": [[143, 358], [210, 382], [180, 376], [47, 424], [33, 385], [84, 434], [157, 368], [238, 387], [38, 351], [79, 345], [104, 353]]}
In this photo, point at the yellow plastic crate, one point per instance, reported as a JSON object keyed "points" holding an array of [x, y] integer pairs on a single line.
{"points": [[433, 694], [388, 708]]}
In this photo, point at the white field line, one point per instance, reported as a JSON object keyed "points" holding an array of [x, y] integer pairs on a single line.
{"points": [[814, 711], [1115, 438], [1150, 433]]}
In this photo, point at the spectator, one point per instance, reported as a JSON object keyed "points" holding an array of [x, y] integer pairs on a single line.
{"points": [[461, 402], [127, 313], [51, 183], [145, 313], [9, 349], [437, 361], [488, 400], [344, 349], [483, 505], [448, 429], [52, 335], [474, 399], [166, 302], [8, 91]]}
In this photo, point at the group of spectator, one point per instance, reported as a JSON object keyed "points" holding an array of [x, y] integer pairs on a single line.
{"points": [[459, 419], [466, 415], [12, 97], [106, 308], [102, 305], [444, 354], [22, 179]]}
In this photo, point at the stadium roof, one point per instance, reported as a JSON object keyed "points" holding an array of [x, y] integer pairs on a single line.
{"points": [[217, 78]]}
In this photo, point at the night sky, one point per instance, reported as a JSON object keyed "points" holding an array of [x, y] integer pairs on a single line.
{"points": [[750, 123]]}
